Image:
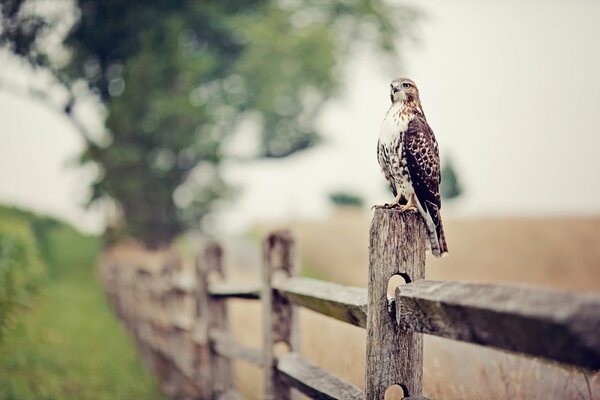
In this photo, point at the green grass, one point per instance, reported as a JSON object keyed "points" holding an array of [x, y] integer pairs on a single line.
{"points": [[68, 345]]}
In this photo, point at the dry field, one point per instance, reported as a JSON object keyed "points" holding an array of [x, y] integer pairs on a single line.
{"points": [[560, 253]]}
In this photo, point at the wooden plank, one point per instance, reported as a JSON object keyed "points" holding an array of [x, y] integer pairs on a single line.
{"points": [[280, 320], [225, 345], [202, 350], [221, 367], [235, 290], [314, 381], [560, 326], [344, 303], [394, 356]]}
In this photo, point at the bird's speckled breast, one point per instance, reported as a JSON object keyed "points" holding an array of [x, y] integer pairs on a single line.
{"points": [[390, 150]]}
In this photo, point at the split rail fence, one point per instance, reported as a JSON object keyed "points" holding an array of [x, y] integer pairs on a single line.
{"points": [[193, 356]]}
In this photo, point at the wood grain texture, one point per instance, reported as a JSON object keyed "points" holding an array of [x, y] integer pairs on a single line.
{"points": [[225, 345], [202, 350], [235, 290], [222, 368], [214, 374], [315, 382], [560, 326], [394, 356], [344, 303], [280, 320]]}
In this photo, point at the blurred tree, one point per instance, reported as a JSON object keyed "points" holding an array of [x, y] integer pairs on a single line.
{"points": [[20, 29], [451, 187], [178, 77], [346, 199]]}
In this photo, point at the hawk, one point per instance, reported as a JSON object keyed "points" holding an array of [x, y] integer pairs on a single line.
{"points": [[408, 156]]}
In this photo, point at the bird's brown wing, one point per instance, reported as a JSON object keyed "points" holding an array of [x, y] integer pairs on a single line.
{"points": [[423, 162]]}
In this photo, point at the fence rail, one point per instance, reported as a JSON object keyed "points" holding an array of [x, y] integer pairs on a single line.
{"points": [[564, 327], [346, 304], [192, 351], [313, 381]]}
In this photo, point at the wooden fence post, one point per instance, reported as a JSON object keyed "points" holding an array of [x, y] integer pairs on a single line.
{"points": [[394, 357], [202, 357], [215, 373], [279, 315]]}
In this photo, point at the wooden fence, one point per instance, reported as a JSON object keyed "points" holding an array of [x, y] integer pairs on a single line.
{"points": [[192, 353]]}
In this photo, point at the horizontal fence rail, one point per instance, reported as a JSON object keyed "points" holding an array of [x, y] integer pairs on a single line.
{"points": [[346, 304], [181, 326], [563, 327], [315, 382], [225, 345]]}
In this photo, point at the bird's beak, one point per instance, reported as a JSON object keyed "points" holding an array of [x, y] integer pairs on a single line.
{"points": [[395, 89]]}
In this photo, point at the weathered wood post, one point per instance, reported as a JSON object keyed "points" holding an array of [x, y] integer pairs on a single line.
{"points": [[222, 368], [202, 363], [394, 357], [170, 381], [215, 372], [279, 315]]}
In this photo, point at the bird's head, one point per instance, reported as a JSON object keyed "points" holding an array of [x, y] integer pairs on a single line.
{"points": [[403, 89]]}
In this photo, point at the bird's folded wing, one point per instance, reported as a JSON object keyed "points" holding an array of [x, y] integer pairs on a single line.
{"points": [[423, 162]]}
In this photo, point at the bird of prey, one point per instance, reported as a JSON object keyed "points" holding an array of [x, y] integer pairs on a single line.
{"points": [[408, 156]]}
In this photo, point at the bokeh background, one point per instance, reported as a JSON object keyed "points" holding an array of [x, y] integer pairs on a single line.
{"points": [[165, 123]]}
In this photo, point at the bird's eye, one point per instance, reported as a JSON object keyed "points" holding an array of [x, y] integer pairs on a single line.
{"points": [[406, 85]]}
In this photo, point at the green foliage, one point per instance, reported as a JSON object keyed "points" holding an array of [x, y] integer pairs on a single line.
{"points": [[178, 77], [346, 199], [21, 269], [45, 229], [451, 187], [69, 345]]}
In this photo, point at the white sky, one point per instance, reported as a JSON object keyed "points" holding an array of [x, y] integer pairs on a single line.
{"points": [[511, 89]]}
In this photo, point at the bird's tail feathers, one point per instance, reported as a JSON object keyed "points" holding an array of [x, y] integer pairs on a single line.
{"points": [[441, 237], [435, 230]]}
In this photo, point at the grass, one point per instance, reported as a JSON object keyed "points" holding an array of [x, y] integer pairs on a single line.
{"points": [[68, 345]]}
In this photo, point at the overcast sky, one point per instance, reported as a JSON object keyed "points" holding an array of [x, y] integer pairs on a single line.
{"points": [[511, 89]]}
